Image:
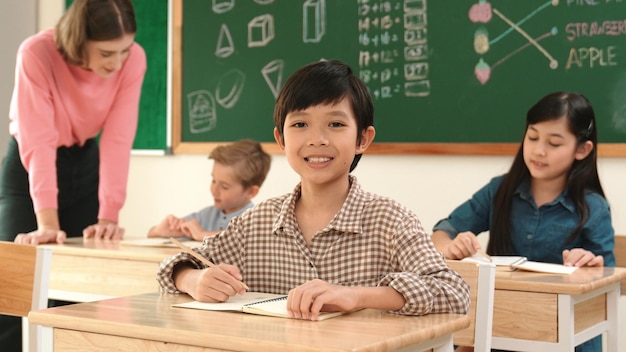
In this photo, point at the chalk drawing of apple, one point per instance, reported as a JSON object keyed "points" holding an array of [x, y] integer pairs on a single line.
{"points": [[480, 12], [482, 71]]}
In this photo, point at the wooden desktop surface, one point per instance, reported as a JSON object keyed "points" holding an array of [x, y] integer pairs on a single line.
{"points": [[581, 281], [90, 269], [148, 322]]}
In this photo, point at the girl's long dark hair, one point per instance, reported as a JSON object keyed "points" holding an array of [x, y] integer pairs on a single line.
{"points": [[582, 177]]}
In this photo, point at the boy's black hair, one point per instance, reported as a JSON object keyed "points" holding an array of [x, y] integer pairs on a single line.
{"points": [[325, 82]]}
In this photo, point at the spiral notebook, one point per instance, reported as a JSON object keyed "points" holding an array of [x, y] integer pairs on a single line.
{"points": [[254, 303]]}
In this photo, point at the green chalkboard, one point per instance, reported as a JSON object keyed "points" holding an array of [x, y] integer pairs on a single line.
{"points": [[440, 72], [152, 33]]}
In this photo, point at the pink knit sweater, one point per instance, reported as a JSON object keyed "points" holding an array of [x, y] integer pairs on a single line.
{"points": [[56, 104]]}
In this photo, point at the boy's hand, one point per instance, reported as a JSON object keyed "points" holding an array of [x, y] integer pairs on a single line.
{"points": [[168, 227], [308, 300], [581, 257], [192, 229], [465, 244], [210, 285]]}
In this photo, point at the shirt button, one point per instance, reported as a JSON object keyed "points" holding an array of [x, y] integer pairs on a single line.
{"points": [[529, 237]]}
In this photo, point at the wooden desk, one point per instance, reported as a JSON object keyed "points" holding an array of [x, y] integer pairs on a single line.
{"points": [[547, 312], [147, 322], [90, 269]]}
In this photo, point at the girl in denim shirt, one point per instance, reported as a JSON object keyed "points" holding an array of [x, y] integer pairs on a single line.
{"points": [[550, 206]]}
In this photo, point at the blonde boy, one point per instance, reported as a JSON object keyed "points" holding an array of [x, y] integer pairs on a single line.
{"points": [[239, 170]]}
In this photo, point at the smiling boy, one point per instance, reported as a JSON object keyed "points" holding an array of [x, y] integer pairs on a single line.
{"points": [[329, 244]]}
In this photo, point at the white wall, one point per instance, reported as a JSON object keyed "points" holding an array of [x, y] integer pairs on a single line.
{"points": [[429, 185], [16, 23]]}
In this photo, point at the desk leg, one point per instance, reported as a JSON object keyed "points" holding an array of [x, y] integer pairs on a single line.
{"points": [[447, 346], [47, 339], [612, 334], [566, 323]]}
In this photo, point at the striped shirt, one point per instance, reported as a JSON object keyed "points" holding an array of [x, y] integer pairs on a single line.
{"points": [[371, 241]]}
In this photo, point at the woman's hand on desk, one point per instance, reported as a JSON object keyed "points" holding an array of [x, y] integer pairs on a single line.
{"points": [[104, 229], [41, 236], [581, 257]]}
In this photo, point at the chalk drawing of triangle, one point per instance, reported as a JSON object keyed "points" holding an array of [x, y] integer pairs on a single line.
{"points": [[273, 75], [225, 46]]}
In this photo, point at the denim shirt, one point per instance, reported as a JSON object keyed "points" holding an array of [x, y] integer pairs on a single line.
{"points": [[538, 233]]}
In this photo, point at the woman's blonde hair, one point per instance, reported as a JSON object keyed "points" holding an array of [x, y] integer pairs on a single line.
{"points": [[95, 20]]}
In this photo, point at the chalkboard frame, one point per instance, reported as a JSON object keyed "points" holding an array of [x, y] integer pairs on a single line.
{"points": [[184, 147]]}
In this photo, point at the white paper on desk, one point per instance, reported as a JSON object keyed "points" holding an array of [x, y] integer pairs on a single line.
{"points": [[498, 260], [545, 267], [158, 242]]}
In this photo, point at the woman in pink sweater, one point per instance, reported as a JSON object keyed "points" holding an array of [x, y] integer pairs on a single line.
{"points": [[72, 83]]}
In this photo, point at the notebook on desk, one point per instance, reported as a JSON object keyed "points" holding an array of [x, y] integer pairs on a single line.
{"points": [[522, 263], [267, 304]]}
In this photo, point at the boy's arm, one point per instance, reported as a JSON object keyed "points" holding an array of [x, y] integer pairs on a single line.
{"points": [[422, 277]]}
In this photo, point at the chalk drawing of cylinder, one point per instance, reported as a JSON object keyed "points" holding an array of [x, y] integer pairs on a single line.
{"points": [[201, 105], [221, 6], [229, 88], [313, 20], [260, 31]]}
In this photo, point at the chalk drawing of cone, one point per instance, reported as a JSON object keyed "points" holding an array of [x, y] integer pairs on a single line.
{"points": [[202, 118]]}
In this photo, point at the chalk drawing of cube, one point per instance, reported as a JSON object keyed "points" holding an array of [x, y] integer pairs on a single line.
{"points": [[313, 20], [260, 30]]}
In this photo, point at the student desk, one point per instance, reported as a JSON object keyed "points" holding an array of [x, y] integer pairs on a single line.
{"points": [[549, 312], [147, 322], [91, 269]]}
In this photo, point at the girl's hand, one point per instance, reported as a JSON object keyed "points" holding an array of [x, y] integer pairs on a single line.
{"points": [[581, 257], [41, 236], [104, 229], [465, 244]]}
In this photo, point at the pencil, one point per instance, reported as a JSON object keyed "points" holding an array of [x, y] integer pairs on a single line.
{"points": [[200, 258], [484, 254]]}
